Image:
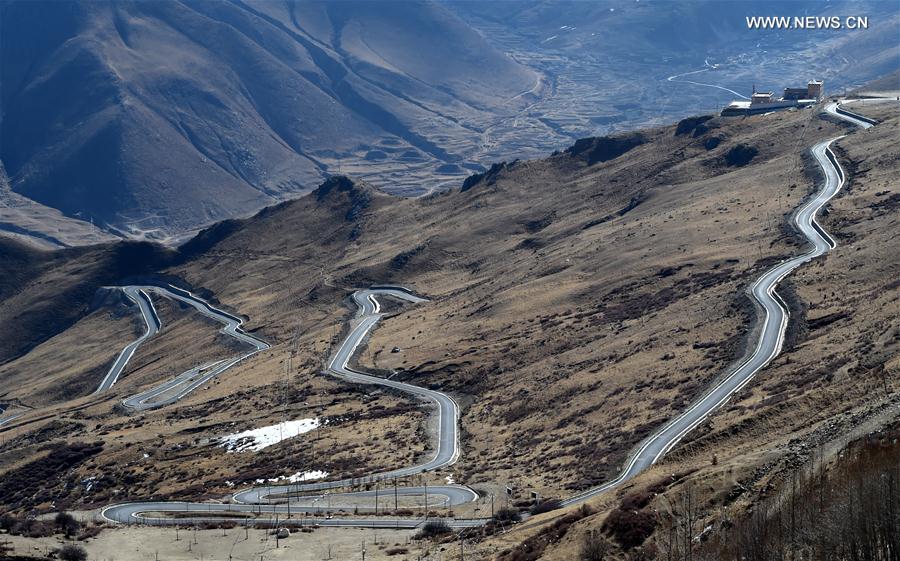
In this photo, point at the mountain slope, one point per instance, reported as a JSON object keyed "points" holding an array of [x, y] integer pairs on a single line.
{"points": [[154, 118], [158, 117], [575, 303]]}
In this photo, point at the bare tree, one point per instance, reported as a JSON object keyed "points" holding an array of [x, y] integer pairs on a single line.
{"points": [[594, 547]]}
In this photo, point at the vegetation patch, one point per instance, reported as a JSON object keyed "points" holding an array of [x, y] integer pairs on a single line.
{"points": [[433, 529], [740, 155], [604, 148], [693, 125], [35, 482], [532, 548], [848, 512]]}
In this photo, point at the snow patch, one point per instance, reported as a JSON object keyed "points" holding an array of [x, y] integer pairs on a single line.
{"points": [[297, 477], [89, 483], [263, 437]]}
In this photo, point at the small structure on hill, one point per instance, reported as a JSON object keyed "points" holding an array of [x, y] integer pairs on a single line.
{"points": [[763, 102]]}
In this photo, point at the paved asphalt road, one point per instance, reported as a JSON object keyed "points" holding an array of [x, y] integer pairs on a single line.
{"points": [[771, 332], [769, 343], [839, 111], [151, 513], [274, 498], [172, 390], [151, 320], [10, 418], [447, 441]]}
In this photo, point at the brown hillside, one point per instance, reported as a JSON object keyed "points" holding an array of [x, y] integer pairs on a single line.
{"points": [[576, 302]]}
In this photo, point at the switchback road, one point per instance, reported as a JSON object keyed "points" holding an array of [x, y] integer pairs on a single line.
{"points": [[274, 499], [773, 315], [172, 390], [152, 323]]}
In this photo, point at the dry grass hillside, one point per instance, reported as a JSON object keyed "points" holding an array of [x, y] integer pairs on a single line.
{"points": [[575, 304], [836, 381]]}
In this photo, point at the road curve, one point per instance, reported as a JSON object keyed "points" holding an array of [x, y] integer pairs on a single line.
{"points": [[153, 325], [676, 78], [172, 390], [274, 499], [771, 332], [769, 343], [447, 441], [836, 109], [312, 505]]}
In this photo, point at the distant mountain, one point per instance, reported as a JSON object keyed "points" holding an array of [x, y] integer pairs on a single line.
{"points": [[152, 117]]}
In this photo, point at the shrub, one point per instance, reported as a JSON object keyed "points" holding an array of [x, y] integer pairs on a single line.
{"points": [[507, 515], [593, 547], [71, 552], [88, 532], [740, 155], [546, 506], [66, 524], [711, 142], [18, 486], [692, 125], [434, 528], [630, 528], [533, 547], [29, 527]]}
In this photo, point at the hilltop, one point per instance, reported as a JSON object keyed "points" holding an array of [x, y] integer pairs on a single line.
{"points": [[153, 119]]}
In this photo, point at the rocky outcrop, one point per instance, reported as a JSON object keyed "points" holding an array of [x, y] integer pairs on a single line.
{"points": [[740, 155], [604, 148], [342, 190], [489, 177], [695, 125]]}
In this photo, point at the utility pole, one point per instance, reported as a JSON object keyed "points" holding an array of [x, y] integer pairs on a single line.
{"points": [[395, 494], [376, 497]]}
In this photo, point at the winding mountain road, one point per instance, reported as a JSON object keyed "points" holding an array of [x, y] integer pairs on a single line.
{"points": [[172, 390], [771, 334], [273, 499], [281, 499], [677, 79], [153, 325], [836, 109], [447, 441]]}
